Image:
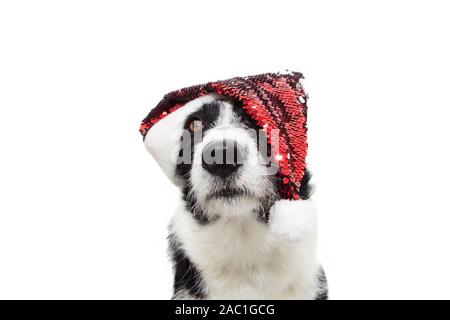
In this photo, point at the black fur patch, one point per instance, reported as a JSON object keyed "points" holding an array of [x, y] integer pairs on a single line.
{"points": [[323, 291], [263, 213], [306, 188], [187, 277], [208, 114]]}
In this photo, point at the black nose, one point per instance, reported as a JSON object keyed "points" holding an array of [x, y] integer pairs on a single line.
{"points": [[222, 157]]}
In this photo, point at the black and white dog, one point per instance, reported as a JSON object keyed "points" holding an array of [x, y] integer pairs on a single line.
{"points": [[232, 237]]}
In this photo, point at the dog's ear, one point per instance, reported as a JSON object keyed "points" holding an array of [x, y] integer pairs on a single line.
{"points": [[163, 140]]}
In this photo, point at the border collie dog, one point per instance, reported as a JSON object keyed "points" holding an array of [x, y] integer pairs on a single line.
{"points": [[232, 236]]}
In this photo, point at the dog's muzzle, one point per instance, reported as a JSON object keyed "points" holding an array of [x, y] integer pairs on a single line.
{"points": [[223, 157]]}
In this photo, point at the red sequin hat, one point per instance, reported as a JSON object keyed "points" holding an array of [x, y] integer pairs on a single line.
{"points": [[273, 101]]}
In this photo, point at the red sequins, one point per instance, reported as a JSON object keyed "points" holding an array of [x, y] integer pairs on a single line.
{"points": [[274, 101]]}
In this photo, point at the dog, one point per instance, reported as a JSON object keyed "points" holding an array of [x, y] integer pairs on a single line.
{"points": [[232, 236]]}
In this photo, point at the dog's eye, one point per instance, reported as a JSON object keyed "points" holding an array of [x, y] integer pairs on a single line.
{"points": [[195, 125]]}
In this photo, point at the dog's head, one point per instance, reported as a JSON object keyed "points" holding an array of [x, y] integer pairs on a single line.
{"points": [[219, 158], [211, 140]]}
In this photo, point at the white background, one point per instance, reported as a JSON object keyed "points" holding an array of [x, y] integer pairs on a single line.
{"points": [[84, 208]]}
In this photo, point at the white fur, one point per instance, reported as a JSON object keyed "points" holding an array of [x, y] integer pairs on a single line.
{"points": [[242, 258], [238, 256]]}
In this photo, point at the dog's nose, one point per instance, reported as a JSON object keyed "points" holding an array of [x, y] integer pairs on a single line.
{"points": [[222, 157]]}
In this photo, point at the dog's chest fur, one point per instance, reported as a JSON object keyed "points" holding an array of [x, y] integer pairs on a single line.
{"points": [[239, 258]]}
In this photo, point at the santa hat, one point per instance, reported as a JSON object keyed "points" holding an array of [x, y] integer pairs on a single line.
{"points": [[273, 100]]}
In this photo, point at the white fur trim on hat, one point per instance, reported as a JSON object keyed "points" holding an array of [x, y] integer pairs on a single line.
{"points": [[163, 139], [293, 220]]}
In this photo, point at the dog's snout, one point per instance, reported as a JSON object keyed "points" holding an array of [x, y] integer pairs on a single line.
{"points": [[222, 157]]}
